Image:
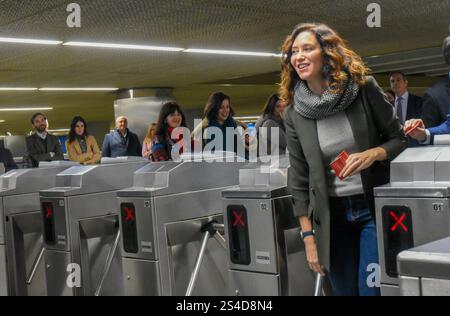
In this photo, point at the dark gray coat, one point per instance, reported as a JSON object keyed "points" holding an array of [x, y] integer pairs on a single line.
{"points": [[37, 152], [373, 123]]}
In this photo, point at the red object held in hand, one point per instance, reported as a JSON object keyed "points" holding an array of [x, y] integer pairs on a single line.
{"points": [[411, 128], [338, 164]]}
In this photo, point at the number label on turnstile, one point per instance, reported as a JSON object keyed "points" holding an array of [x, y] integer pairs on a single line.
{"points": [[239, 235], [398, 234], [129, 229], [48, 216]]}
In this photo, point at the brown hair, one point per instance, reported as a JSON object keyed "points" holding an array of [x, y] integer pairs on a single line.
{"points": [[339, 60]]}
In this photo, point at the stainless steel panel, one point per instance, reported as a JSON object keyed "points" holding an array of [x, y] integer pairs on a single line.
{"points": [[390, 290], [415, 164], [146, 235], [264, 237], [61, 224], [56, 263], [435, 287], [97, 237], [245, 283], [86, 219], [409, 286], [184, 240], [428, 224], [3, 277], [23, 249], [141, 277], [2, 228]]}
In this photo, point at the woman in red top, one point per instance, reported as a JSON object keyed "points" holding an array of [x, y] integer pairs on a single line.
{"points": [[168, 135]]}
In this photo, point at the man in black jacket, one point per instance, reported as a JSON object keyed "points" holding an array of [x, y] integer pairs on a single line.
{"points": [[407, 105], [42, 146], [436, 100]]}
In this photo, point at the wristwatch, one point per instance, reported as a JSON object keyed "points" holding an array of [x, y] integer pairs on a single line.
{"points": [[306, 234]]}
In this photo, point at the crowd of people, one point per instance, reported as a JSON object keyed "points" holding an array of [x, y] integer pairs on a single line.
{"points": [[327, 104]]}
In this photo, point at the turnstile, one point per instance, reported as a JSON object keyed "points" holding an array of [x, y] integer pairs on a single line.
{"points": [[413, 209], [161, 222], [21, 249], [81, 228], [266, 254], [425, 270]]}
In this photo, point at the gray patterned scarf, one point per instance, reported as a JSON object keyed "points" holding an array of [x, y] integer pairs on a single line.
{"points": [[315, 107]]}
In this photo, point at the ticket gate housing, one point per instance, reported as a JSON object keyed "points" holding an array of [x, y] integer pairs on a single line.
{"points": [[21, 250], [266, 254], [161, 220], [81, 228], [413, 209], [425, 270]]}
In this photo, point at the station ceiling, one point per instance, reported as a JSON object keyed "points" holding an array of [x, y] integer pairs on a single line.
{"points": [[407, 27]]}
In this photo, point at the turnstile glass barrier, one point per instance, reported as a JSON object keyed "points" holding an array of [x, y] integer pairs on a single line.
{"points": [[21, 250], [413, 209], [167, 220], [425, 270], [266, 254], [81, 228]]}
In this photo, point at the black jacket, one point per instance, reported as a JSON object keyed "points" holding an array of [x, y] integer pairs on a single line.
{"points": [[7, 158], [37, 152], [436, 102]]}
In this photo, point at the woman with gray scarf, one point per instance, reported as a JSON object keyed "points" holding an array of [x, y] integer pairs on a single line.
{"points": [[271, 121], [336, 110]]}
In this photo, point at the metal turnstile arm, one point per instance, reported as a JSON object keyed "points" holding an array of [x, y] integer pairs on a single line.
{"points": [[209, 229], [219, 238], [109, 260], [35, 266]]}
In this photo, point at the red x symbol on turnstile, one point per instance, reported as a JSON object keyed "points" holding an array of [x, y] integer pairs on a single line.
{"points": [[129, 216], [398, 221], [48, 212], [238, 218]]}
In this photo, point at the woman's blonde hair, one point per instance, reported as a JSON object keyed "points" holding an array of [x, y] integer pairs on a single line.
{"points": [[339, 61], [150, 133]]}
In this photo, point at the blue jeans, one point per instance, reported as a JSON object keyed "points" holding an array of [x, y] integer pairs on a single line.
{"points": [[353, 247]]}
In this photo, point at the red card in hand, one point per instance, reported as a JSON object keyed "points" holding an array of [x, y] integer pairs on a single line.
{"points": [[338, 164], [411, 128]]}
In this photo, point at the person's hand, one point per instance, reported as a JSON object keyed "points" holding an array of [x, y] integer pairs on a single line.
{"points": [[418, 133], [312, 256], [361, 161]]}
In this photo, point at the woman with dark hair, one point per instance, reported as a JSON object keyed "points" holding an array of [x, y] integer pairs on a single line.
{"points": [[336, 110], [219, 115], [81, 146], [272, 117], [167, 137]]}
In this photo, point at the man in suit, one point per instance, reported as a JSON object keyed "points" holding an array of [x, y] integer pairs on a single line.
{"points": [[42, 146], [407, 105], [436, 100], [121, 142], [424, 135]]}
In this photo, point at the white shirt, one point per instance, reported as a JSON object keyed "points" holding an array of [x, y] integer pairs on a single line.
{"points": [[404, 105], [42, 135]]}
